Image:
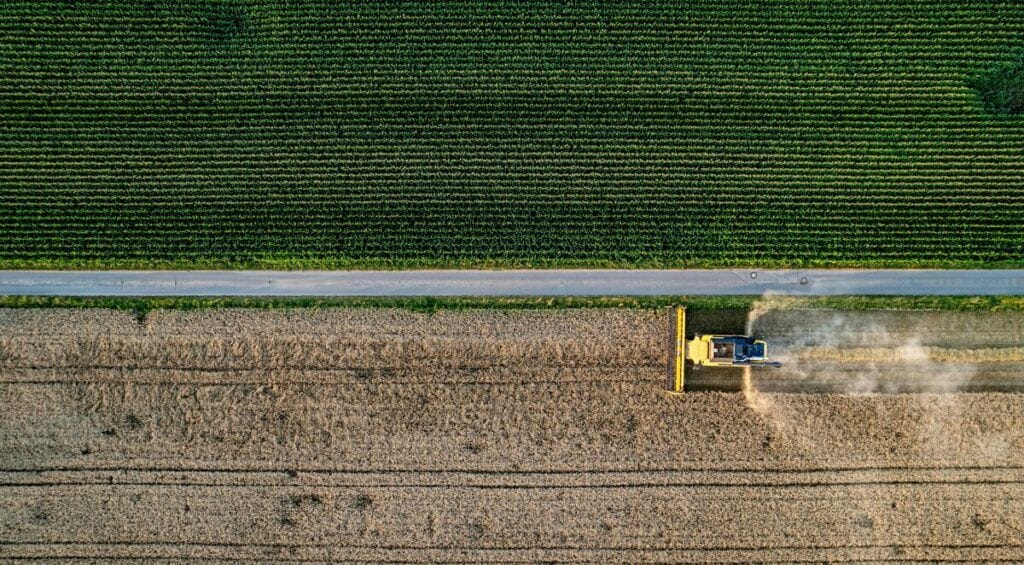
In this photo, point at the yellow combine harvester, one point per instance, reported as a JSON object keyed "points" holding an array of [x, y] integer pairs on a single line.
{"points": [[710, 351]]}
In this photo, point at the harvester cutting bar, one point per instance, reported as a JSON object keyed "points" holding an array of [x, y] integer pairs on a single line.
{"points": [[677, 349]]}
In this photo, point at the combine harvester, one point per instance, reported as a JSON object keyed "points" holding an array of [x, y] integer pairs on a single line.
{"points": [[710, 351]]}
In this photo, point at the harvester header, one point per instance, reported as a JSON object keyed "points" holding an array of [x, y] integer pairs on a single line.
{"points": [[709, 351]]}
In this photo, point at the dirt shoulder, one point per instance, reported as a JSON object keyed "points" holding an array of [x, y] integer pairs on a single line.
{"points": [[479, 435]]}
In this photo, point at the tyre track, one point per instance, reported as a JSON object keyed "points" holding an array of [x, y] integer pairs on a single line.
{"points": [[514, 519], [522, 449]]}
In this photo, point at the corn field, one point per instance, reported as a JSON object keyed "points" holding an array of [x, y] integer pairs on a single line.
{"points": [[334, 134]]}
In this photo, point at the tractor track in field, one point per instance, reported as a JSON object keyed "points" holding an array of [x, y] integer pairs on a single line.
{"points": [[487, 436]]}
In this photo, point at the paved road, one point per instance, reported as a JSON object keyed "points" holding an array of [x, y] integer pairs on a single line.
{"points": [[512, 283]]}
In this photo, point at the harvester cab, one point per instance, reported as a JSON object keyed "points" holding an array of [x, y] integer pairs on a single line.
{"points": [[710, 351], [728, 351]]}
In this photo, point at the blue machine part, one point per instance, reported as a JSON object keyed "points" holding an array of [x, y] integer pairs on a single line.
{"points": [[742, 349]]}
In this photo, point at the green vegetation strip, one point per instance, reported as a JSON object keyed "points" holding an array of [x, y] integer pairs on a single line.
{"points": [[477, 133], [426, 304]]}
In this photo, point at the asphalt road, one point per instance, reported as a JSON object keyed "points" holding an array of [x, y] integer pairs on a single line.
{"points": [[582, 282]]}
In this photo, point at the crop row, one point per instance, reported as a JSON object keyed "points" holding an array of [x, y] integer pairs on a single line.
{"points": [[703, 130]]}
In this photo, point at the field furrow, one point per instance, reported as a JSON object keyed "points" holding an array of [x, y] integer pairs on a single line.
{"points": [[488, 435], [266, 133]]}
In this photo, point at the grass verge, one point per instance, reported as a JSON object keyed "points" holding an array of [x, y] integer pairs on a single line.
{"points": [[284, 263], [433, 304]]}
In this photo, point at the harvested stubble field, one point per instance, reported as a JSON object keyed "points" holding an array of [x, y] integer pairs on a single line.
{"points": [[334, 134], [478, 435], [892, 351]]}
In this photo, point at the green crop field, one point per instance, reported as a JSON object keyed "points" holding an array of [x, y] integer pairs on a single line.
{"points": [[393, 134]]}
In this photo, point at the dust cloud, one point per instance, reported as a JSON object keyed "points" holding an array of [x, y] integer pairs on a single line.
{"points": [[873, 353], [858, 353]]}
